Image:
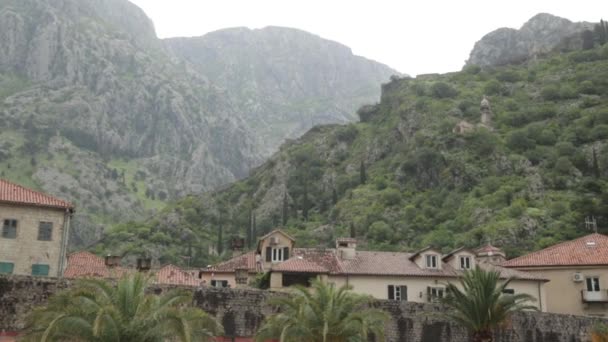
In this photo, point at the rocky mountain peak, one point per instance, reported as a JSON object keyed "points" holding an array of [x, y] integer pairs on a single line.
{"points": [[540, 34]]}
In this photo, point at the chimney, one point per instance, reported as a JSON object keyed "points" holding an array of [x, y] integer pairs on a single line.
{"points": [[489, 254], [237, 245], [144, 264], [347, 248], [112, 260]]}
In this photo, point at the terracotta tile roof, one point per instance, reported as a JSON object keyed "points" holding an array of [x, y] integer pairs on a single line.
{"points": [[243, 262], [85, 264], [16, 194], [489, 249], [299, 265], [173, 275], [390, 263], [587, 250]]}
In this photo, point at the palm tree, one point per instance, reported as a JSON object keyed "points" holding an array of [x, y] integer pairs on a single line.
{"points": [[95, 310], [323, 314], [482, 305]]}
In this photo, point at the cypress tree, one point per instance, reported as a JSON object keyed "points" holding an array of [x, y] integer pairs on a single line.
{"points": [[220, 242], [587, 37], [250, 229], [254, 230], [334, 196], [596, 166], [353, 232], [285, 215], [362, 173]]}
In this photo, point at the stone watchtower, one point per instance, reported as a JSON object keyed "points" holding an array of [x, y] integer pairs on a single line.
{"points": [[486, 112]]}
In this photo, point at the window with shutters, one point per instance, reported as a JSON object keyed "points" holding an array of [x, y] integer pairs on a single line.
{"points": [[6, 267], [40, 270], [9, 229], [278, 254], [45, 231], [435, 293], [465, 262], [431, 261], [397, 292]]}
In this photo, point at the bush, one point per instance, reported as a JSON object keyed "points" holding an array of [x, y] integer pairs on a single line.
{"points": [[508, 76], [391, 197], [519, 141], [379, 231], [494, 88], [443, 90], [551, 92]]}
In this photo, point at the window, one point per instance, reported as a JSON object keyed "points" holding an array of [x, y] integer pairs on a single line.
{"points": [[508, 291], [40, 270], [6, 267], [9, 229], [241, 276], [593, 284], [277, 254], [397, 292], [465, 262], [431, 261], [435, 293], [219, 283], [45, 231]]}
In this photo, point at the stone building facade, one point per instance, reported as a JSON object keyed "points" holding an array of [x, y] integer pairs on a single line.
{"points": [[33, 231]]}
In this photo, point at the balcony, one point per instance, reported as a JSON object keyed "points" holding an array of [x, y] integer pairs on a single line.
{"points": [[594, 296]]}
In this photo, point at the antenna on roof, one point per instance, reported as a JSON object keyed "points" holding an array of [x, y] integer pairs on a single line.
{"points": [[591, 223]]}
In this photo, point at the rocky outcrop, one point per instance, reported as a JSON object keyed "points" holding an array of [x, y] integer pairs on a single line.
{"points": [[284, 80], [541, 34]]}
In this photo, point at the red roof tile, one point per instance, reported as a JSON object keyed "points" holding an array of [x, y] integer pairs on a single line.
{"points": [[245, 262], [587, 250], [319, 260], [299, 265], [173, 275], [16, 194], [84, 264]]}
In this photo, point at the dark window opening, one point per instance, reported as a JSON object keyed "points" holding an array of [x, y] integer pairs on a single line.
{"points": [[508, 291], [298, 279], [219, 283], [9, 229], [45, 231]]}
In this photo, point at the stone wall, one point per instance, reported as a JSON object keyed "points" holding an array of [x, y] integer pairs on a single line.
{"points": [[242, 311]]}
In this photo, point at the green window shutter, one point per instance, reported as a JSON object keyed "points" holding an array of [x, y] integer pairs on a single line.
{"points": [[40, 270], [6, 267]]}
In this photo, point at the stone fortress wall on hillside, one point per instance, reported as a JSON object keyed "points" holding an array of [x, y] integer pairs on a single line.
{"points": [[241, 311]]}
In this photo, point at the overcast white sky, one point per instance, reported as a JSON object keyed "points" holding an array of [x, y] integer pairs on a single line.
{"points": [[414, 37]]}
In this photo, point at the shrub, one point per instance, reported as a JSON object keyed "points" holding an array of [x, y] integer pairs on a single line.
{"points": [[442, 90]]}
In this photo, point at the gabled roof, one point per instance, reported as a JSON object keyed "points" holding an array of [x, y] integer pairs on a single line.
{"points": [[488, 249], [280, 231], [173, 275], [418, 252], [17, 194], [85, 264], [456, 251], [589, 250]]}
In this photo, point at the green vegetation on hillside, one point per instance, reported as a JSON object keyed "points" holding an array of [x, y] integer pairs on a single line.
{"points": [[402, 178]]}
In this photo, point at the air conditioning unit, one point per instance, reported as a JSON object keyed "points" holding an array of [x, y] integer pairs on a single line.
{"points": [[274, 240], [578, 277]]}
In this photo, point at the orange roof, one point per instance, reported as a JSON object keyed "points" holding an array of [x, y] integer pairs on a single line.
{"points": [[299, 265], [173, 275], [327, 260], [85, 264], [16, 194], [587, 250]]}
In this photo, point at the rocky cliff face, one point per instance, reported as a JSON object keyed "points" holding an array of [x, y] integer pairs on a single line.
{"points": [[541, 34], [284, 81], [95, 109]]}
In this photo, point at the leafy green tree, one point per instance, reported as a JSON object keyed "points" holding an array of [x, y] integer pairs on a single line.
{"points": [[482, 305], [95, 310], [362, 173], [442, 90], [323, 314]]}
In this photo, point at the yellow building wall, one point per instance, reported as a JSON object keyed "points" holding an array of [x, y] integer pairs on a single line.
{"points": [[564, 295], [377, 286], [25, 250]]}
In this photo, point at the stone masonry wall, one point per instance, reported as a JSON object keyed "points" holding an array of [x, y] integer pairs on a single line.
{"points": [[242, 311]]}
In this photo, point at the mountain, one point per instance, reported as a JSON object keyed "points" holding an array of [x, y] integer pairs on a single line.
{"points": [[285, 80], [541, 34], [96, 109], [434, 163]]}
